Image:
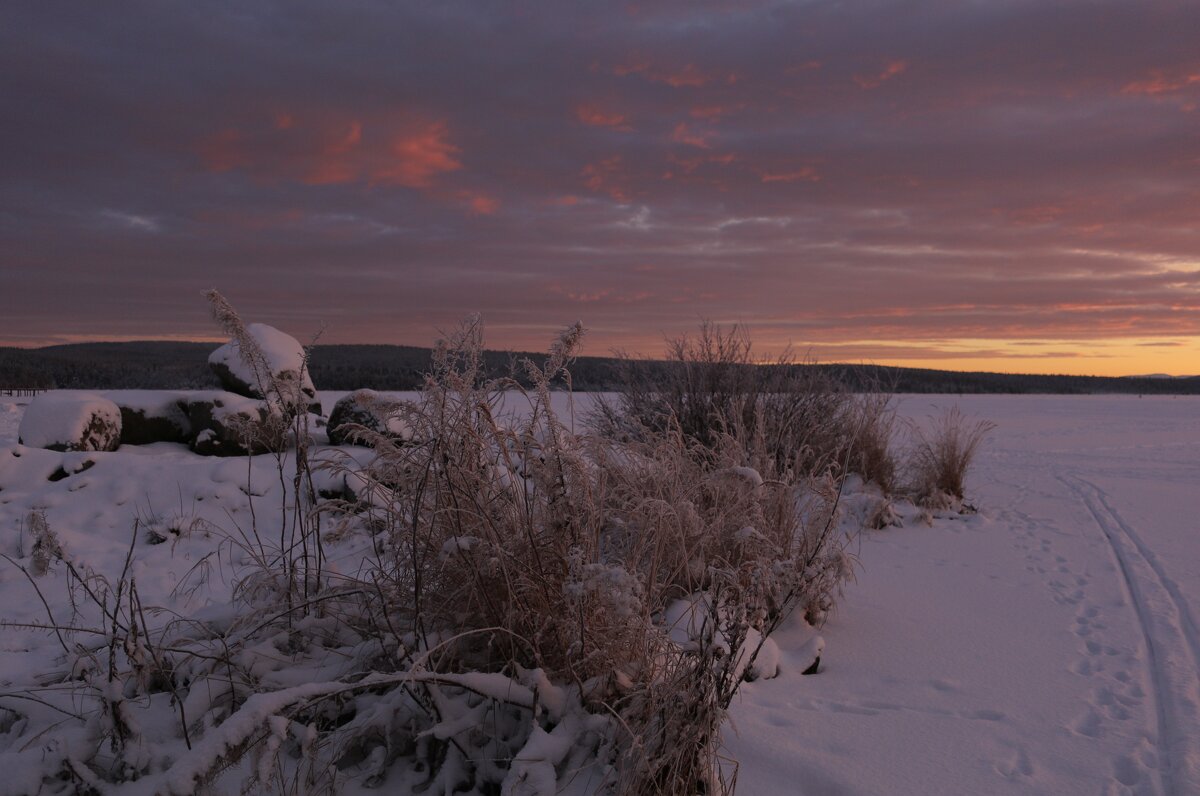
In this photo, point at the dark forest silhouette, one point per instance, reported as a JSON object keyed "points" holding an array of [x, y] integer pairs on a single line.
{"points": [[161, 365]]}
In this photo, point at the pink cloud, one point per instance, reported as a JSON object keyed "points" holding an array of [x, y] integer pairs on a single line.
{"points": [[1164, 81], [595, 116], [682, 134], [804, 173], [410, 153], [891, 70], [608, 176]]}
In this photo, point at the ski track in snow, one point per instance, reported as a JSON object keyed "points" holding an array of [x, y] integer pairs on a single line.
{"points": [[1172, 644]]}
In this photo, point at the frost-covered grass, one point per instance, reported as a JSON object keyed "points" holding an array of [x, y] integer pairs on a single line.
{"points": [[496, 602], [942, 451], [714, 386]]}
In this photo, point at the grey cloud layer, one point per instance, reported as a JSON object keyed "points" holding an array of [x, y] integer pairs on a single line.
{"points": [[913, 171]]}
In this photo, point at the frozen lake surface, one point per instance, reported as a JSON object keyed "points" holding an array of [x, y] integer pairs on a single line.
{"points": [[1048, 645]]}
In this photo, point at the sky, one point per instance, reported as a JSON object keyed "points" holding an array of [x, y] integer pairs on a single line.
{"points": [[1006, 186]]}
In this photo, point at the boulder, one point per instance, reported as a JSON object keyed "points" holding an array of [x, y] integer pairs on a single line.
{"points": [[225, 424], [369, 409], [152, 416], [70, 421], [281, 375]]}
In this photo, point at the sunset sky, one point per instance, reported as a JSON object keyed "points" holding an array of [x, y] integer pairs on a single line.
{"points": [[1010, 186]]}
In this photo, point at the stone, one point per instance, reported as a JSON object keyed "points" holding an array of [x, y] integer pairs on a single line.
{"points": [[71, 421], [282, 370], [369, 409], [149, 416], [225, 424]]}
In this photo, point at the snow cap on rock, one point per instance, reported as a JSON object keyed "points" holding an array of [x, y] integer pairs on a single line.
{"points": [[71, 421], [278, 363]]}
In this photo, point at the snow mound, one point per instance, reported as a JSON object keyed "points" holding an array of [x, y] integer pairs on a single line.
{"points": [[65, 421]]}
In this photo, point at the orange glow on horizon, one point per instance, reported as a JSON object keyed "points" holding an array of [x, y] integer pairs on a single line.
{"points": [[1176, 356]]}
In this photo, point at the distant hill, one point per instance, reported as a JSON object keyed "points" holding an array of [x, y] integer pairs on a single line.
{"points": [[159, 365]]}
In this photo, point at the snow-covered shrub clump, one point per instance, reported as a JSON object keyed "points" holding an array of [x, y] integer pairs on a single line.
{"points": [[268, 364], [535, 548], [714, 385], [69, 421]]}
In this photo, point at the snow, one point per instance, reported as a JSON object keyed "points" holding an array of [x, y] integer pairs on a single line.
{"points": [[150, 402], [748, 474], [1048, 644]]}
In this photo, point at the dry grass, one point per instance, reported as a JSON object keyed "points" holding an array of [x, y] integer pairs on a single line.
{"points": [[714, 386], [543, 549], [524, 581], [942, 455]]}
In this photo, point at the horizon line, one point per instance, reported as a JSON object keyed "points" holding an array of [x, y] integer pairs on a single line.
{"points": [[220, 340]]}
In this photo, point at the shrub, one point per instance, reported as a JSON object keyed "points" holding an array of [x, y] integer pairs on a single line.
{"points": [[942, 455], [872, 423], [712, 385], [539, 549]]}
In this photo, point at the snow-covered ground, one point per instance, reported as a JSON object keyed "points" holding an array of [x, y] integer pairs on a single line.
{"points": [[1048, 644]]}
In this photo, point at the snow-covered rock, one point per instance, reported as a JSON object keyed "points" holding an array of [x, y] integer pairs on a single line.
{"points": [[149, 416], [276, 376], [70, 421], [225, 424], [369, 409]]}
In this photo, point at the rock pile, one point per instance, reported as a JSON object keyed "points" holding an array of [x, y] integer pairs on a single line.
{"points": [[266, 383]]}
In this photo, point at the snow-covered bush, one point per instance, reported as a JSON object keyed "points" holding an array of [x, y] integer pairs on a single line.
{"points": [[871, 426], [546, 550], [713, 385]]}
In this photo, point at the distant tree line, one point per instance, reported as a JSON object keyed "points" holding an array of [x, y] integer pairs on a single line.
{"points": [[159, 365]]}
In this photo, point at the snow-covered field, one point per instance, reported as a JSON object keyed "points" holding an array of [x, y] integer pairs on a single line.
{"points": [[1048, 644]]}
